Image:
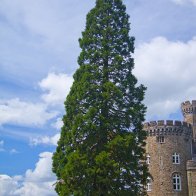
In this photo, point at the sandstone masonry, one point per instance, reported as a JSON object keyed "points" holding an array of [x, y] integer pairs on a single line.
{"points": [[171, 154]]}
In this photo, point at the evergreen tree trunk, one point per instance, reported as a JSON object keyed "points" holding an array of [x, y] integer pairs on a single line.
{"points": [[101, 148]]}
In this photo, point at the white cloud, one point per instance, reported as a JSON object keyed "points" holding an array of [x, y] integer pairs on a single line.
{"points": [[51, 20], [194, 2], [182, 2], [40, 180], [35, 182], [168, 70], [8, 185], [46, 140], [58, 124], [2, 149], [2, 146], [15, 111], [13, 151], [57, 87], [39, 17], [1, 143]]}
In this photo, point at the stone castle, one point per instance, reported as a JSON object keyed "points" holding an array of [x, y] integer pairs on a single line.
{"points": [[171, 154]]}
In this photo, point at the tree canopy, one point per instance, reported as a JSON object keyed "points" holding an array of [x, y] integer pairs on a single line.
{"points": [[101, 148]]}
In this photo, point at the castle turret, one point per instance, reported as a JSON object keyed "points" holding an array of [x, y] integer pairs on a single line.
{"points": [[189, 113], [168, 149], [191, 174]]}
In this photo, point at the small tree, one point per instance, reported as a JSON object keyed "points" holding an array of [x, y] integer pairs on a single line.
{"points": [[101, 148]]}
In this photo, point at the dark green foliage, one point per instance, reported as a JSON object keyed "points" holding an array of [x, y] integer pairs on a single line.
{"points": [[100, 151]]}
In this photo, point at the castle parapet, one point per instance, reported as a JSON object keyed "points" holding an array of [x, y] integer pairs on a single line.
{"points": [[168, 127], [188, 107], [166, 123]]}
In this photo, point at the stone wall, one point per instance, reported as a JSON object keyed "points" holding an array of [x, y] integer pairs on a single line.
{"points": [[177, 139], [189, 113], [191, 174]]}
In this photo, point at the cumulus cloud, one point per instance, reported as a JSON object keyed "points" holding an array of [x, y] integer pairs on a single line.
{"points": [[15, 111], [40, 180], [57, 87], [8, 185], [46, 140], [168, 70], [58, 124], [35, 182]]}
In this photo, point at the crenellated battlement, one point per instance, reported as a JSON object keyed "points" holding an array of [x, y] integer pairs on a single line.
{"points": [[168, 127], [166, 123], [170, 150], [188, 107]]}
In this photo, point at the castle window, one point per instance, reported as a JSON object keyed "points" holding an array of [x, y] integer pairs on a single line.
{"points": [[149, 184], [176, 158], [148, 159], [160, 139], [177, 182]]}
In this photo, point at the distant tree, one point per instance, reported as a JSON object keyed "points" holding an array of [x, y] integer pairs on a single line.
{"points": [[101, 148]]}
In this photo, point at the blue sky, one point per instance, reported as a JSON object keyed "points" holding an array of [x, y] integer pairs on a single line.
{"points": [[39, 49]]}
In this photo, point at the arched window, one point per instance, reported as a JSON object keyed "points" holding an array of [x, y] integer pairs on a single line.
{"points": [[149, 184], [177, 182], [148, 159], [160, 139], [176, 158]]}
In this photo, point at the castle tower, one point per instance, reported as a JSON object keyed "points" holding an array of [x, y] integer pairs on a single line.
{"points": [[189, 113], [191, 175], [168, 149]]}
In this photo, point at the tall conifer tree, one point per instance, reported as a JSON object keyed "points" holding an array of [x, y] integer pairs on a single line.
{"points": [[101, 148]]}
